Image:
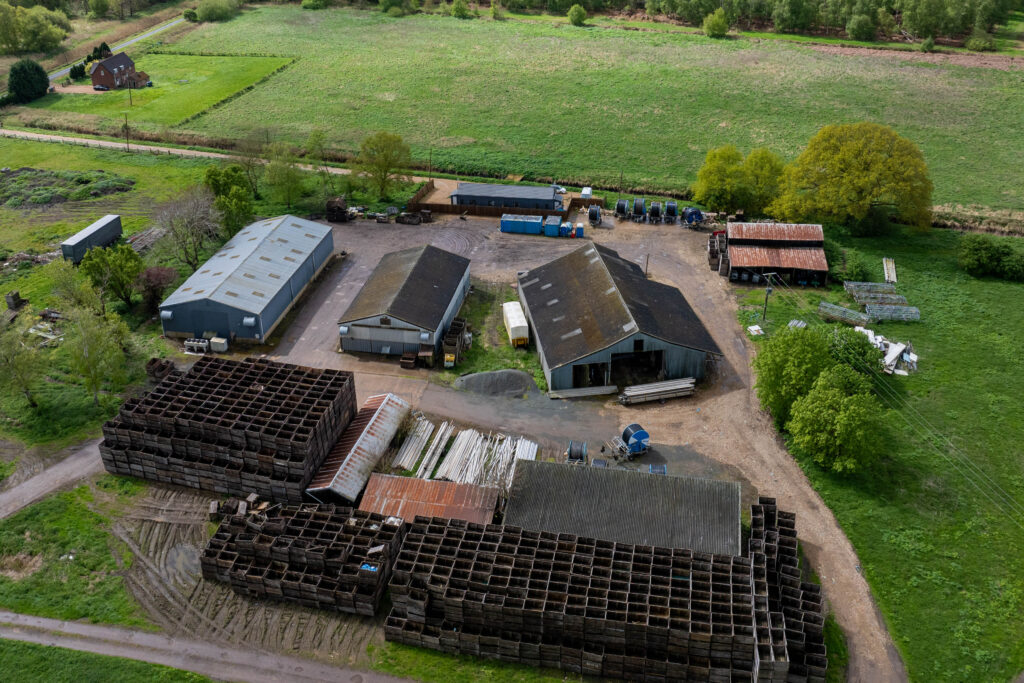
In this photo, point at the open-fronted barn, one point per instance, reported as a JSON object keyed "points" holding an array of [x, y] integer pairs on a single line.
{"points": [[792, 251], [408, 302], [248, 286], [598, 321]]}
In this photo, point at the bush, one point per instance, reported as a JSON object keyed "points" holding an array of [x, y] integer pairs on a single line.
{"points": [[216, 10], [77, 72], [716, 24], [860, 27], [26, 81], [99, 8], [460, 10], [577, 15], [928, 44], [981, 41], [856, 269], [984, 255], [190, 15], [496, 13], [392, 12], [314, 4]]}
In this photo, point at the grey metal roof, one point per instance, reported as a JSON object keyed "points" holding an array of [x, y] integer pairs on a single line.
{"points": [[505, 191], [112, 62], [591, 298], [253, 265], [626, 506], [86, 232], [415, 285]]}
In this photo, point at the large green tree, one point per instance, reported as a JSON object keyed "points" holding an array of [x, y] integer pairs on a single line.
{"points": [[837, 421], [27, 81], [96, 347], [113, 270], [382, 156], [729, 182], [71, 288], [235, 209], [21, 364], [282, 175], [851, 172]]}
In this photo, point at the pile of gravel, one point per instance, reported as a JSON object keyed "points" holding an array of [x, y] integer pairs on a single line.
{"points": [[505, 383]]}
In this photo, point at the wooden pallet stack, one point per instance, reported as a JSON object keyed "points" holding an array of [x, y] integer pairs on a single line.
{"points": [[233, 427], [322, 556]]}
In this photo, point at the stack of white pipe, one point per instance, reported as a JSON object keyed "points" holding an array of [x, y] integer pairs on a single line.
{"points": [[434, 452], [410, 452]]}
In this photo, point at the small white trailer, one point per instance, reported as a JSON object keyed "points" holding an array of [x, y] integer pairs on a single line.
{"points": [[515, 323]]}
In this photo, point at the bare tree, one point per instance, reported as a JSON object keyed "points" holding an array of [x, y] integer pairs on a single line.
{"points": [[250, 157], [189, 222]]}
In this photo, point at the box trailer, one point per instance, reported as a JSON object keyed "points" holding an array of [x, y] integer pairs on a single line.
{"points": [[102, 233], [515, 323], [552, 224]]}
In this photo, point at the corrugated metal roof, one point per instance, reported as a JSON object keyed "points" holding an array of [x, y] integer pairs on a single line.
{"points": [[86, 232], [626, 506], [415, 285], [590, 298], [804, 258], [783, 232], [505, 191], [407, 497], [247, 272], [360, 447]]}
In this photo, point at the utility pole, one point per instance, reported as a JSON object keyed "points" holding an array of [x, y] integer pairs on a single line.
{"points": [[130, 93], [127, 145], [647, 264], [767, 291]]}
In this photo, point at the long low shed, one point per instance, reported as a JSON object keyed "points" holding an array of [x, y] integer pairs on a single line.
{"points": [[102, 233], [409, 497]]}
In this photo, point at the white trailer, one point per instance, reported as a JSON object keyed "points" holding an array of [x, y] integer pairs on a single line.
{"points": [[515, 323]]}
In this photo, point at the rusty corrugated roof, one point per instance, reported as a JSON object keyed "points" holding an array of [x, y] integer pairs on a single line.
{"points": [[776, 232], [407, 497], [803, 258], [360, 447]]}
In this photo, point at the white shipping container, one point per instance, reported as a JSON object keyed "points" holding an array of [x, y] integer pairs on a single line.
{"points": [[515, 323]]}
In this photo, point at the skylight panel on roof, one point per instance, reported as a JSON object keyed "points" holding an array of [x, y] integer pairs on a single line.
{"points": [[574, 333], [231, 293], [552, 302], [259, 294], [631, 325], [545, 286], [531, 282]]}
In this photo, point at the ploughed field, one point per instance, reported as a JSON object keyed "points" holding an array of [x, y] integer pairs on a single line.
{"points": [[587, 104]]}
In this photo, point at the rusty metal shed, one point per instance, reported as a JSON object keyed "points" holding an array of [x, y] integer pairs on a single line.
{"points": [[775, 232], [407, 497], [349, 464], [791, 251]]}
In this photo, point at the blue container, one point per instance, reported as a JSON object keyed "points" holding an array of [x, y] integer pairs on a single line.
{"points": [[579, 231], [526, 225], [692, 215], [552, 224], [565, 231]]}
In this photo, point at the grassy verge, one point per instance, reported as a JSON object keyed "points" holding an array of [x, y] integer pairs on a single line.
{"points": [[838, 653], [491, 349], [940, 558], [61, 563], [430, 666], [31, 663]]}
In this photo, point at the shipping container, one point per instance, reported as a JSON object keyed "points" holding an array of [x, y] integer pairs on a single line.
{"points": [[525, 225], [552, 224], [515, 323], [102, 233]]}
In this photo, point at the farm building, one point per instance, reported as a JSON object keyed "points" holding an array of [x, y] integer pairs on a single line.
{"points": [[598, 321], [794, 252], [626, 506], [407, 304], [407, 497], [117, 71], [509, 196], [102, 233], [248, 286]]}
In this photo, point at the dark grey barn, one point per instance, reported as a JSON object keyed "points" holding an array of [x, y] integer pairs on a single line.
{"points": [[508, 196], [246, 288], [598, 321], [626, 506]]}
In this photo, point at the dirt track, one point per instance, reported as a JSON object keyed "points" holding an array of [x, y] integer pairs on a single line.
{"points": [[81, 463], [975, 59]]}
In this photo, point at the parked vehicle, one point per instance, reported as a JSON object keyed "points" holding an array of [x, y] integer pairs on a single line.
{"points": [[100, 87]]}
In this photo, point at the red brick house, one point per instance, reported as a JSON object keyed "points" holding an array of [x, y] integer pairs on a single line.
{"points": [[117, 71]]}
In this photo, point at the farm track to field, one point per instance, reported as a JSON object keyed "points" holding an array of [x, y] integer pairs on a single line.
{"points": [[583, 105]]}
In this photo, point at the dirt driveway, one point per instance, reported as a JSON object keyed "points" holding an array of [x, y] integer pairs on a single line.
{"points": [[722, 423]]}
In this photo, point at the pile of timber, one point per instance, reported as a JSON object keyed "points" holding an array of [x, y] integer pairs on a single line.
{"points": [[657, 391], [232, 427], [484, 460], [333, 558]]}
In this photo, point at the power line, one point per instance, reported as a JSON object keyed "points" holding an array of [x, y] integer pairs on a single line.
{"points": [[960, 462]]}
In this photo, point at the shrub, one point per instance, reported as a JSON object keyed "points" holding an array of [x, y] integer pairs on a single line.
{"points": [[1012, 267], [99, 8], [886, 22], [496, 13], [716, 24], [392, 12], [860, 27], [460, 10], [77, 72], [983, 255], [577, 15], [314, 4], [216, 10], [26, 81], [856, 269], [190, 15], [981, 41], [928, 44]]}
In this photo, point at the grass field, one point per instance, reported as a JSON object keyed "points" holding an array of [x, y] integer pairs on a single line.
{"points": [[585, 105], [64, 564], [943, 563], [183, 85], [31, 663]]}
